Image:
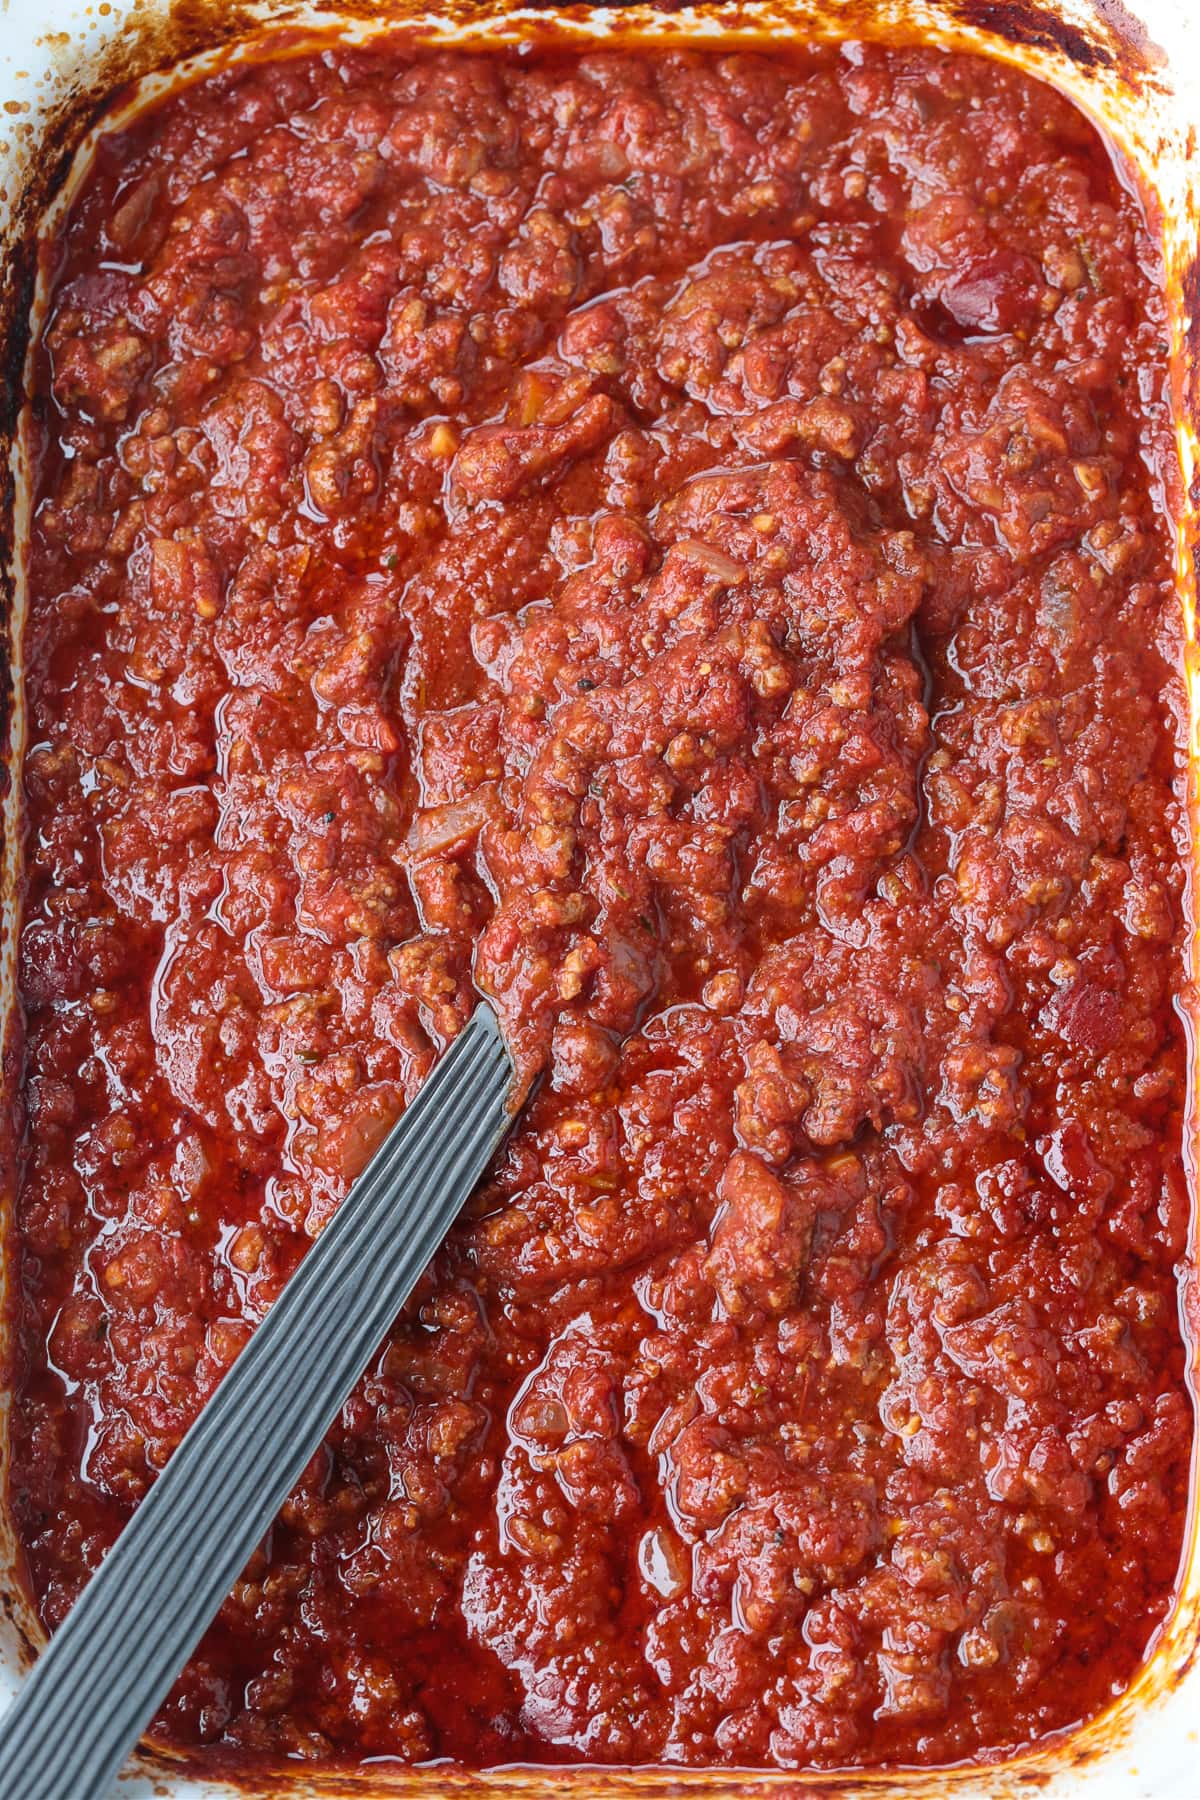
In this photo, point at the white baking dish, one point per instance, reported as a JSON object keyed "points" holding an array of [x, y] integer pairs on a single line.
{"points": [[1140, 76]]}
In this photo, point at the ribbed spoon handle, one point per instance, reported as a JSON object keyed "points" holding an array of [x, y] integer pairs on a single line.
{"points": [[108, 1668]]}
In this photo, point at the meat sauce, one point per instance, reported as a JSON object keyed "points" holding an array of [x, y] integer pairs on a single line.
{"points": [[679, 543]]}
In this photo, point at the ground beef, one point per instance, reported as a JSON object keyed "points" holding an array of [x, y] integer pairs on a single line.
{"points": [[674, 541]]}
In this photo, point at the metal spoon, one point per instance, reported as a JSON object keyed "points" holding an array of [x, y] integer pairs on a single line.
{"points": [[115, 1658]]}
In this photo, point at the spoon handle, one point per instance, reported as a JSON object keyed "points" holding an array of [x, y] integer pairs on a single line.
{"points": [[106, 1671]]}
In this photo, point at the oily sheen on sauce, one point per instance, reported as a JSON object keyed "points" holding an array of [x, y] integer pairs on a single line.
{"points": [[678, 540]]}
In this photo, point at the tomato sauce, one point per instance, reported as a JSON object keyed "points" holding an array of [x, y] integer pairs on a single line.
{"points": [[676, 542]]}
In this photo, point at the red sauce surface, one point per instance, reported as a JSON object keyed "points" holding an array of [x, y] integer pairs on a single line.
{"points": [[679, 542]]}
